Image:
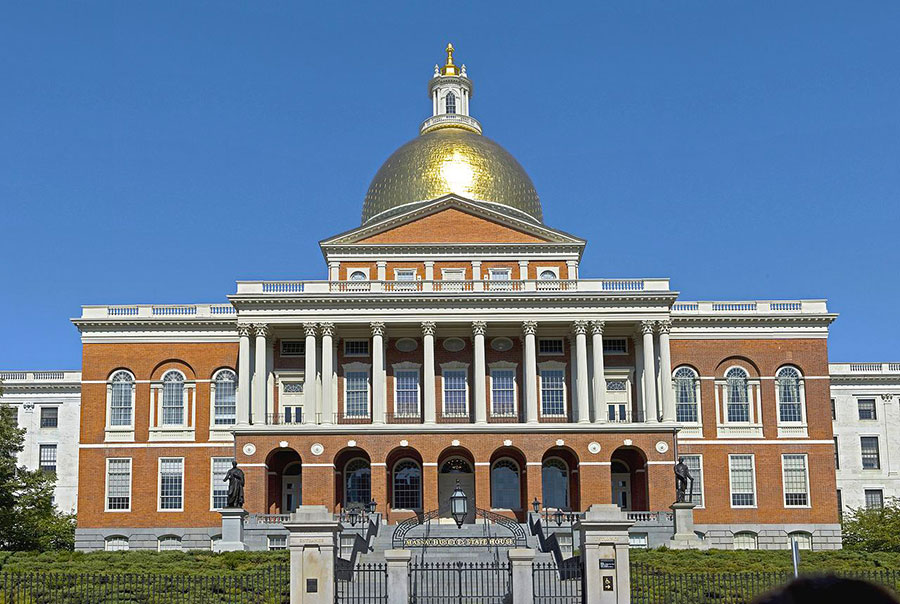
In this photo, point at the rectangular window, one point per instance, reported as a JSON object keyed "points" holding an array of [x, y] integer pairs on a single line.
{"points": [[550, 346], [833, 410], [743, 481], [407, 393], [173, 403], [47, 458], [118, 483], [453, 274], [219, 488], [225, 405], [500, 274], [796, 480], [455, 392], [871, 458], [837, 456], [503, 392], [637, 540], [874, 499], [405, 274], [553, 399], [171, 483], [866, 408], [49, 417], [840, 504], [293, 348], [120, 403], [615, 345], [277, 542], [356, 348], [695, 465], [356, 397]]}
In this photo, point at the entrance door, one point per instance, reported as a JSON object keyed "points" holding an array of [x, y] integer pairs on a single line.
{"points": [[453, 470], [290, 494], [621, 490]]}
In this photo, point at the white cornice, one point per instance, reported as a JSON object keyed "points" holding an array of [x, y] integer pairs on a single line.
{"points": [[451, 429]]}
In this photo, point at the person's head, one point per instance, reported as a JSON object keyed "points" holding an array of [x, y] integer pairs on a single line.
{"points": [[233, 464], [827, 590], [681, 460]]}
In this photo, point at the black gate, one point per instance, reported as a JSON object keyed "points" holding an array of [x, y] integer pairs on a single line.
{"points": [[458, 582], [364, 584], [553, 585]]}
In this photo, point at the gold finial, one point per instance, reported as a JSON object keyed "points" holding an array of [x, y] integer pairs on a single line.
{"points": [[449, 68]]}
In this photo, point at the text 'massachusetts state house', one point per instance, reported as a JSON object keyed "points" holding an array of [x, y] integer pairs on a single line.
{"points": [[455, 339]]}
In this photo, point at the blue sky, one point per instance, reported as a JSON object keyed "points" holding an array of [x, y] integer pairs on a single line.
{"points": [[157, 152]]}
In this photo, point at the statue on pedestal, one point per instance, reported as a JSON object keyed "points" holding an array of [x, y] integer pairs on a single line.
{"points": [[235, 479], [682, 477]]}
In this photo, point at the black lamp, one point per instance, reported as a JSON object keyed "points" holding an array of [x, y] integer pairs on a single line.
{"points": [[353, 513], [558, 516], [370, 507], [459, 505], [536, 505]]}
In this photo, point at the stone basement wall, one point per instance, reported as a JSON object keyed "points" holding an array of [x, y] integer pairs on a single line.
{"points": [[256, 537], [772, 536]]}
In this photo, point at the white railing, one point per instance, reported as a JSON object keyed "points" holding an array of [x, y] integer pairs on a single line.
{"points": [[177, 310], [759, 307], [283, 287], [40, 376], [449, 119], [844, 368], [439, 285], [269, 518], [150, 311]]}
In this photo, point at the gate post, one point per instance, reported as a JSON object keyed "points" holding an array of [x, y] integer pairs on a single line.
{"points": [[604, 554], [313, 532], [521, 561], [397, 575]]}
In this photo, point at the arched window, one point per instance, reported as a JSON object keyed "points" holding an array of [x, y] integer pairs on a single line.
{"points": [[737, 392], [790, 405], [358, 276], [505, 493], [450, 103], [745, 540], [686, 395], [803, 539], [169, 543], [116, 543], [456, 465], [547, 275], [358, 482], [555, 483], [224, 407], [121, 399], [407, 487], [173, 399]]}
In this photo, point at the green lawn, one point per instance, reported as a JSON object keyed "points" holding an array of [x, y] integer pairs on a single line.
{"points": [[725, 561], [137, 562]]}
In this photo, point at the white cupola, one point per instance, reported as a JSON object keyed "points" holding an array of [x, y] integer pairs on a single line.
{"points": [[450, 91]]}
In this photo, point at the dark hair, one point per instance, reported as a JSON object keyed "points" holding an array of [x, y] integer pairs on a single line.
{"points": [[827, 590]]}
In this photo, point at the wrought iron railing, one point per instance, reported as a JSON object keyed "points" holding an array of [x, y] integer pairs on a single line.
{"points": [[442, 582], [553, 585]]}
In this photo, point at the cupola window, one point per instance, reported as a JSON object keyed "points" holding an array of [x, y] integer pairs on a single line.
{"points": [[450, 103]]}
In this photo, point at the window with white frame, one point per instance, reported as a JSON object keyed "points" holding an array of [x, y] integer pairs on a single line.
{"points": [[687, 389], [695, 465], [743, 481], [47, 458], [121, 399], [169, 543], [866, 408], [871, 456], [405, 274], [454, 276], [407, 393], [874, 499], [803, 539], [615, 345], [171, 483], [745, 540], [277, 542], [505, 489], [548, 274], [500, 274], [219, 488], [638, 540], [293, 348], [737, 391], [356, 348], [358, 276], [49, 417], [407, 485], [118, 484], [116, 543], [796, 480], [450, 103], [550, 346], [790, 395], [553, 392], [224, 405], [356, 394], [456, 392], [503, 392], [173, 399]]}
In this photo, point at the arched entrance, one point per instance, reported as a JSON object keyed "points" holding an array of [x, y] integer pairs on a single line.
{"points": [[456, 466], [628, 473], [559, 480], [354, 489], [285, 488]]}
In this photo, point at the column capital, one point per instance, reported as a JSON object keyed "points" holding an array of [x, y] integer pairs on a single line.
{"points": [[427, 328], [597, 327], [664, 326], [310, 329], [377, 328], [529, 328], [580, 327], [647, 327], [381, 263], [429, 263], [479, 328], [244, 330], [261, 330], [327, 329]]}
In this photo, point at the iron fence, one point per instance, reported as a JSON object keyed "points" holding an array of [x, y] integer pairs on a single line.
{"points": [[458, 582], [366, 584], [552, 587], [271, 586]]}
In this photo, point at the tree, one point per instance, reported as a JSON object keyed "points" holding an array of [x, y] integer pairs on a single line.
{"points": [[873, 530], [28, 518]]}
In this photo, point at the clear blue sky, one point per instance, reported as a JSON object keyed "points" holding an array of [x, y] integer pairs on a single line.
{"points": [[157, 152]]}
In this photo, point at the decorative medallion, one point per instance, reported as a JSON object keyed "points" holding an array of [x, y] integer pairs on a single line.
{"points": [[501, 344], [507, 443], [594, 447], [627, 442], [29, 406], [662, 446], [404, 443], [283, 444], [455, 443], [560, 442], [454, 344], [351, 443], [249, 449], [406, 344], [317, 449]]}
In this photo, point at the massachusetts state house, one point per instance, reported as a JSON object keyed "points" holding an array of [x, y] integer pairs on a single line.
{"points": [[457, 338]]}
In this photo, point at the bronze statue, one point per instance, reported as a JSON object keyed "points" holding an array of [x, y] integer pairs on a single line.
{"points": [[682, 476], [235, 479]]}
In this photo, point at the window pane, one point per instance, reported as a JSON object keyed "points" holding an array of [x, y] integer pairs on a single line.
{"points": [[293, 348], [550, 346], [407, 486], [742, 487], [120, 399], [407, 393], [225, 407], [555, 484], [450, 103], [116, 544], [685, 396], [745, 540], [503, 392], [357, 395], [866, 408], [871, 459], [693, 464], [737, 396], [615, 345], [455, 392], [358, 481], [49, 417], [874, 499], [505, 485], [170, 483], [795, 480], [553, 392], [118, 484], [173, 399], [356, 348], [47, 454], [220, 466]]}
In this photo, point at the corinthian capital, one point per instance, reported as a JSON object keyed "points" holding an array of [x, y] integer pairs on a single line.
{"points": [[580, 327], [479, 328], [377, 328], [310, 329], [647, 326], [427, 328], [244, 330], [529, 328], [261, 330], [597, 327], [327, 329], [663, 326]]}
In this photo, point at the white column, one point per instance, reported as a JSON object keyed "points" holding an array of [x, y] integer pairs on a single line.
{"points": [[327, 374], [243, 386], [665, 372], [476, 276], [529, 328], [478, 330], [310, 402], [649, 373], [639, 376], [429, 410], [581, 378], [334, 271], [523, 269], [397, 583], [258, 399], [429, 276], [379, 409], [600, 411], [381, 270], [572, 266]]}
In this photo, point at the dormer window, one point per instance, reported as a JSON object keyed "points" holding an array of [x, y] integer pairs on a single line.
{"points": [[450, 103], [358, 276]]}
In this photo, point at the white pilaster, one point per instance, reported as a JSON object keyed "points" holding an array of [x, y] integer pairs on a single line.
{"points": [[379, 408], [478, 330], [523, 269], [665, 372], [310, 402], [243, 386], [476, 275], [600, 411], [258, 400], [572, 266], [529, 328], [381, 270], [429, 409], [581, 378], [649, 374], [334, 271], [327, 373]]}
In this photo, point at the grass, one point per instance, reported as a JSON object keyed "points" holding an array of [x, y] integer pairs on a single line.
{"points": [[727, 561], [196, 563]]}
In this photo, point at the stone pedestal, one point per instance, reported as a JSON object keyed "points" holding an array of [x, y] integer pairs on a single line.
{"points": [[604, 549], [398, 575], [313, 533], [232, 530], [521, 561], [685, 537]]}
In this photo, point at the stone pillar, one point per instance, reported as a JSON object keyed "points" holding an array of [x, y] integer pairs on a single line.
{"points": [[531, 395], [334, 271], [649, 374], [327, 374], [520, 561], [480, 398], [665, 372], [378, 486], [572, 269], [232, 530], [313, 532], [581, 377], [523, 270], [600, 411], [684, 537], [379, 407], [310, 402], [429, 383], [243, 386], [381, 270], [397, 575], [604, 550], [258, 401]]}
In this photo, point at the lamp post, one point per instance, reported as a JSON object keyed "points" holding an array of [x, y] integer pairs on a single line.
{"points": [[558, 516], [370, 507], [459, 505], [536, 505], [353, 513]]}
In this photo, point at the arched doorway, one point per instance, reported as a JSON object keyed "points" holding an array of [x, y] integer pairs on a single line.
{"points": [[285, 484], [628, 473], [354, 486], [559, 480], [291, 488], [404, 480], [456, 466]]}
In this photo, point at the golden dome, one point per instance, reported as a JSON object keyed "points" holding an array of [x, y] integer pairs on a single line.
{"points": [[451, 160]]}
